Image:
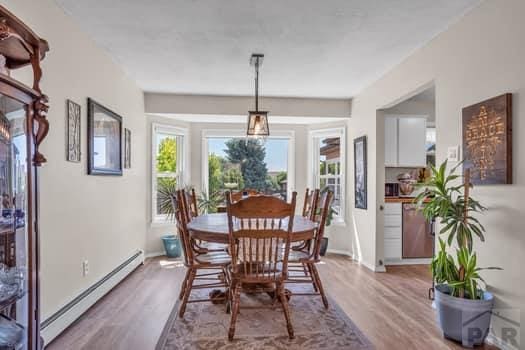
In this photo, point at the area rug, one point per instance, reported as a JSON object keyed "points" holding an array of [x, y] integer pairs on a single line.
{"points": [[205, 326]]}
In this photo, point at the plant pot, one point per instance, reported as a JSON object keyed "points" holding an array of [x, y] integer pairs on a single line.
{"points": [[324, 246], [463, 320], [171, 245]]}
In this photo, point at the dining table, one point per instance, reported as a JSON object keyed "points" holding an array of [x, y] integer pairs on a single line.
{"points": [[213, 228]]}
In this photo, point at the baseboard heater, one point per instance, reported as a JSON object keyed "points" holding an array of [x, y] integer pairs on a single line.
{"points": [[60, 320]]}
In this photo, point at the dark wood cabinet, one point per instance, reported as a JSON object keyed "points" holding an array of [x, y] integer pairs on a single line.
{"points": [[23, 126]]}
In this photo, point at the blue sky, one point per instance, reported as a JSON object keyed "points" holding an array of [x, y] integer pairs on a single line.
{"points": [[276, 152]]}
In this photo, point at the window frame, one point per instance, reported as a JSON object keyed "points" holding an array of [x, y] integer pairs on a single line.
{"points": [[182, 173], [314, 157], [236, 133]]}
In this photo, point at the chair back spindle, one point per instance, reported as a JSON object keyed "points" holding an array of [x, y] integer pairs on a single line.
{"points": [[325, 201], [182, 229]]}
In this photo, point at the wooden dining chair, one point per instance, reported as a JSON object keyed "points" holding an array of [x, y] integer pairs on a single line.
{"points": [[188, 207], [238, 195], [310, 207], [191, 201], [311, 199], [260, 229], [308, 258], [197, 261]]}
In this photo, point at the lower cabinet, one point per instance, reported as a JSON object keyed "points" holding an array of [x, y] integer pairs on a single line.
{"points": [[407, 234], [393, 223]]}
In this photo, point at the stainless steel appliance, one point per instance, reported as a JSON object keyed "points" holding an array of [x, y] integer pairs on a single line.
{"points": [[417, 238], [391, 189]]}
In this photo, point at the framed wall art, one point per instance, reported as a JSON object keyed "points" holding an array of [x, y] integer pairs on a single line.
{"points": [[104, 140], [127, 148], [73, 131], [360, 173], [487, 141]]}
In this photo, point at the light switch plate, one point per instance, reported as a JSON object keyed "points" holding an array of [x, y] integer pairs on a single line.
{"points": [[453, 154]]}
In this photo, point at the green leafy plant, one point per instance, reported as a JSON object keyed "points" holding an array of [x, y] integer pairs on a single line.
{"points": [[448, 201], [209, 203], [166, 194]]}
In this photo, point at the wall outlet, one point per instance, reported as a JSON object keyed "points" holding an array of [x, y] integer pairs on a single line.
{"points": [[453, 154], [85, 268]]}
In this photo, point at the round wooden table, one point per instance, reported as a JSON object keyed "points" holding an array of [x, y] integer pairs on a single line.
{"points": [[214, 228]]}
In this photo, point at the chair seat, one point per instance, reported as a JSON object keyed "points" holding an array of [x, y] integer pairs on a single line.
{"points": [[214, 258], [213, 247], [258, 271], [298, 256]]}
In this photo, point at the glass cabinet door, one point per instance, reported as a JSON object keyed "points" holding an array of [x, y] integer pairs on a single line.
{"points": [[14, 296]]}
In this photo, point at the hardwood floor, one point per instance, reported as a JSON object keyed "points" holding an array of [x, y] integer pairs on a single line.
{"points": [[391, 308]]}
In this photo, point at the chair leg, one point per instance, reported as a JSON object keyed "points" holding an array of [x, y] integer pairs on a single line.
{"points": [[314, 283], [187, 292], [183, 285], [319, 284], [236, 300], [305, 270], [286, 308]]}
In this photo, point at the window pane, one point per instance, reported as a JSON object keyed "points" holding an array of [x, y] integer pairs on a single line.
{"points": [[165, 185], [166, 153], [322, 166], [332, 168], [239, 163]]}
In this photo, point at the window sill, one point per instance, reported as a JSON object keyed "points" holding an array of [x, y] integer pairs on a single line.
{"points": [[339, 222], [161, 222]]}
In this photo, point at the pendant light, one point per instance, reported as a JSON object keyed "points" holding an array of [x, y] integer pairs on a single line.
{"points": [[257, 120]]}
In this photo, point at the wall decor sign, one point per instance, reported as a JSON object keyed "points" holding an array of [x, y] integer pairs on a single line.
{"points": [[127, 148], [360, 173], [73, 131], [104, 140], [487, 141]]}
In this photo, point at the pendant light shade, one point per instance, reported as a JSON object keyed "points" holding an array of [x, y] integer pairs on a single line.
{"points": [[257, 120], [258, 124]]}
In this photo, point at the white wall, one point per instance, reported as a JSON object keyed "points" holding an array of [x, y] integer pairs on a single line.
{"points": [[477, 58], [414, 107], [95, 218]]}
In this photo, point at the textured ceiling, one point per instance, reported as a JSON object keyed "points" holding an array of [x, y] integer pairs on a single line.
{"points": [[313, 48]]}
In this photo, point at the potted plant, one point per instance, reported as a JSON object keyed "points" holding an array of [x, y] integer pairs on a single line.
{"points": [[166, 192], [210, 203], [463, 306]]}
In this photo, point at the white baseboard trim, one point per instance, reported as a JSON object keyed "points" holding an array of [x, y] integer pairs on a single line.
{"points": [[60, 320], [499, 343], [422, 261], [340, 252], [154, 254], [375, 268]]}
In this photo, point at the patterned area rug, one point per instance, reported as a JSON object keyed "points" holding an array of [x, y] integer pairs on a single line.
{"points": [[205, 326]]}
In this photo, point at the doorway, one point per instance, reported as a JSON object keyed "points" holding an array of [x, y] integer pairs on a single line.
{"points": [[406, 148]]}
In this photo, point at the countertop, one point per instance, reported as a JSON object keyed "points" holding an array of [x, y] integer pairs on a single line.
{"points": [[399, 199]]}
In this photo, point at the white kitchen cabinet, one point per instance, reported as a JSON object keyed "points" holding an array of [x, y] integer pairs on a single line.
{"points": [[391, 141], [393, 226], [405, 138], [411, 142]]}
